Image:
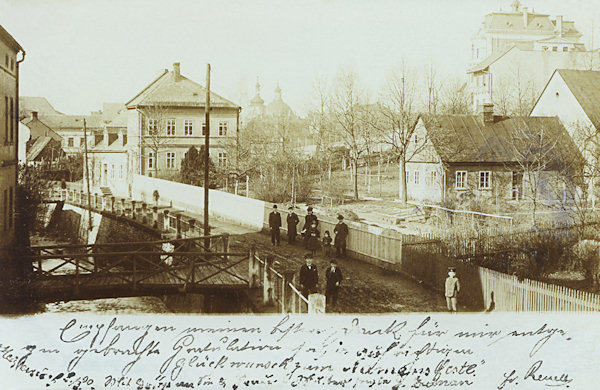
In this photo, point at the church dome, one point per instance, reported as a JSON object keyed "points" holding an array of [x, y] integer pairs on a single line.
{"points": [[278, 107]]}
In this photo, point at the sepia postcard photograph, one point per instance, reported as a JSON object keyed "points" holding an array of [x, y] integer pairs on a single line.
{"points": [[319, 194]]}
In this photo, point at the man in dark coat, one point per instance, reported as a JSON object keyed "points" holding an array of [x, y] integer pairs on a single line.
{"points": [[341, 233], [309, 277], [274, 224], [333, 275], [292, 221], [308, 221]]}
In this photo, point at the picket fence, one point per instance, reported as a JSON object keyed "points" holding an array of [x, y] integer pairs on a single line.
{"points": [[504, 292]]}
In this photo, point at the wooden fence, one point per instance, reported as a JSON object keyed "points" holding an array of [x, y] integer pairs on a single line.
{"points": [[504, 292]]}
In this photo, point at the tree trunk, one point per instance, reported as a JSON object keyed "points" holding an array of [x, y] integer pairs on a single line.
{"points": [[355, 162], [403, 191]]}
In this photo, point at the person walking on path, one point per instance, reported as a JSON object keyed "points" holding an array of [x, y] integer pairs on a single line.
{"points": [[309, 276], [333, 276], [308, 221], [292, 222], [274, 224], [341, 233], [452, 288], [326, 243], [313, 234]]}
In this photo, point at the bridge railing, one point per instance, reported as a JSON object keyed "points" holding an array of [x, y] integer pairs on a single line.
{"points": [[279, 289], [186, 264]]}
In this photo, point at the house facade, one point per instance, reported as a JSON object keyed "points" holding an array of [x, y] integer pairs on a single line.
{"points": [[9, 141], [167, 117], [107, 163], [485, 157], [515, 52]]}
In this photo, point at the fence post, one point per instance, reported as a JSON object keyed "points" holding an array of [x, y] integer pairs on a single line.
{"points": [[287, 294], [253, 269], [133, 216], [155, 217], [144, 212], [178, 224], [192, 226], [166, 220], [268, 281], [123, 206], [112, 204], [225, 238], [316, 304]]}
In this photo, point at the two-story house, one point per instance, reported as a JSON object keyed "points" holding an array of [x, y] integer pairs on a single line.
{"points": [[9, 134], [167, 117]]}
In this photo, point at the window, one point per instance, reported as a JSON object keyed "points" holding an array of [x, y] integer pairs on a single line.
{"points": [[433, 177], [416, 139], [5, 119], [112, 171], [484, 180], [222, 128], [517, 185], [554, 48], [461, 179], [545, 48], [150, 160], [152, 126], [70, 142], [407, 176], [222, 159], [416, 177], [6, 60], [12, 64], [82, 142], [121, 171], [10, 207], [188, 127], [12, 120], [170, 126], [203, 128], [171, 160], [565, 48]]}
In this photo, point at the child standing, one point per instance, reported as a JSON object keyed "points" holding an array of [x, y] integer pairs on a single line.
{"points": [[327, 243], [313, 235], [452, 288]]}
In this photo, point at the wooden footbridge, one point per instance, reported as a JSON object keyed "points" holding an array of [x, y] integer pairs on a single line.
{"points": [[194, 265]]}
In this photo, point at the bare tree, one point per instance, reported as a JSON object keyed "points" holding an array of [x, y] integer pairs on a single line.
{"points": [[432, 87], [514, 93], [395, 122], [347, 108], [454, 97], [154, 135]]}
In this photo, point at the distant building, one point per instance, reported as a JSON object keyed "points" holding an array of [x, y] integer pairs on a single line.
{"points": [[256, 109], [108, 162], [515, 52], [167, 117], [483, 156], [9, 141]]}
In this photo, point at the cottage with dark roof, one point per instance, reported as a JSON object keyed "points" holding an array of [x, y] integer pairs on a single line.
{"points": [[167, 117], [488, 156]]}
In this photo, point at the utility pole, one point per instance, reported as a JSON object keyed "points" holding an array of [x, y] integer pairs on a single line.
{"points": [[87, 175], [206, 155]]}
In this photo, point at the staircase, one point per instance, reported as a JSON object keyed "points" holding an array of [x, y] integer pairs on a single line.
{"points": [[106, 191]]}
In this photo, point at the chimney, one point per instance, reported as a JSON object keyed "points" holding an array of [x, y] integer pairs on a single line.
{"points": [[34, 114], [176, 71], [559, 25], [525, 17], [487, 113]]}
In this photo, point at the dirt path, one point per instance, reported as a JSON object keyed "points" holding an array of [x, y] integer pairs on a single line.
{"points": [[365, 289]]}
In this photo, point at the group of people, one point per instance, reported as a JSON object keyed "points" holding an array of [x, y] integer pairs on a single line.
{"points": [[309, 279], [310, 231]]}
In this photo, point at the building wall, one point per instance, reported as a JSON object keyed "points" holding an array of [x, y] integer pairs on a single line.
{"points": [[8, 151], [526, 66], [108, 169], [178, 144]]}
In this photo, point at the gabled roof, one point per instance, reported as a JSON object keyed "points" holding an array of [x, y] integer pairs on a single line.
{"points": [[38, 146], [38, 129], [10, 41], [585, 86], [69, 122], [169, 90], [467, 139], [495, 57]]}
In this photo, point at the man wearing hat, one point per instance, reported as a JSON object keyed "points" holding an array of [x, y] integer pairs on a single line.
{"points": [[333, 276], [274, 224], [308, 221], [341, 232], [452, 288], [309, 276], [292, 221]]}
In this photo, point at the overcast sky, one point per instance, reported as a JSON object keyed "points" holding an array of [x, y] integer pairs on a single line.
{"points": [[82, 53]]}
